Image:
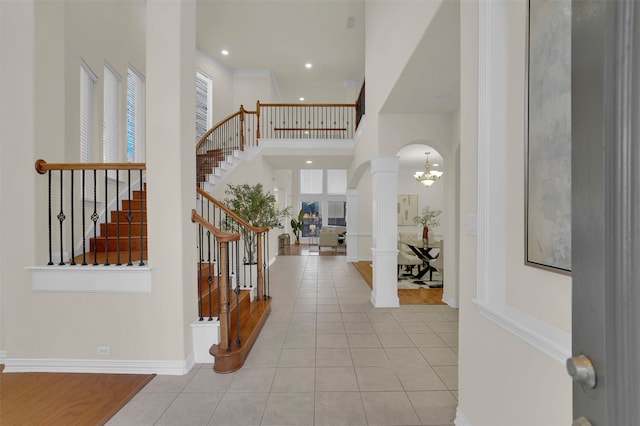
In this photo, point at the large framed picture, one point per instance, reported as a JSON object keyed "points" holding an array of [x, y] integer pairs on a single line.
{"points": [[548, 136], [407, 209]]}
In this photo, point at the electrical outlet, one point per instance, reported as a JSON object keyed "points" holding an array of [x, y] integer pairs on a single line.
{"points": [[104, 350]]}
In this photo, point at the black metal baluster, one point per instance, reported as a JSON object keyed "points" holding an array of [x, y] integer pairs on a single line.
{"points": [[61, 217], [209, 276], [73, 254], [141, 214], [118, 263], [95, 217], [106, 223], [200, 249], [50, 225], [84, 229], [129, 217], [237, 292], [228, 301], [265, 275]]}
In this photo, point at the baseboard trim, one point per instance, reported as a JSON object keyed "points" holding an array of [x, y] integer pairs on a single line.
{"points": [[450, 301], [461, 420], [106, 366]]}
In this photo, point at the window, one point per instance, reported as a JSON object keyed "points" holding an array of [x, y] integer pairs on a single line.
{"points": [[337, 181], [311, 181], [337, 213], [312, 218], [204, 104], [111, 115], [135, 116], [87, 86]]}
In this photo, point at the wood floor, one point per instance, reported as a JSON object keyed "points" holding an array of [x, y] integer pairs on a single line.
{"points": [[423, 296], [65, 399]]}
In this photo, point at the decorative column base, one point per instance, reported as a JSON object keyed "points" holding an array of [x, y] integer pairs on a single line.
{"points": [[385, 293]]}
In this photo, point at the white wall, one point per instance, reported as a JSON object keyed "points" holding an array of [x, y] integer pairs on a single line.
{"points": [[222, 76], [505, 331], [252, 86]]}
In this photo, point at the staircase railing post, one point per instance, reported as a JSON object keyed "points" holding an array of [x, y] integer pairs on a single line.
{"points": [[242, 128], [260, 277], [258, 120], [224, 298]]}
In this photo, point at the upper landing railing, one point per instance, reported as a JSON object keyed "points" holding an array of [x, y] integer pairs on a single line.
{"points": [[276, 121]]}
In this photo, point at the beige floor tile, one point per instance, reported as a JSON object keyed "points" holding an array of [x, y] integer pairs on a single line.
{"points": [[430, 316], [330, 327], [242, 409], [284, 409], [443, 326], [351, 307], [326, 357], [405, 356], [427, 340], [328, 308], [190, 409], [405, 316], [297, 358], [376, 316], [388, 408], [336, 379], [450, 339], [143, 409], [415, 327], [369, 357], [339, 408], [377, 379], [294, 379], [358, 327], [300, 340], [169, 384], [252, 380], [329, 300], [329, 316], [207, 381], [387, 327], [354, 317], [363, 340], [449, 375], [434, 407], [395, 340], [263, 356], [331, 341], [301, 317], [440, 356], [419, 378]]}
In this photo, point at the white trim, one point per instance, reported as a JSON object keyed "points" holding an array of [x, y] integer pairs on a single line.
{"points": [[91, 279], [454, 303], [109, 366], [460, 419], [550, 340], [492, 142]]}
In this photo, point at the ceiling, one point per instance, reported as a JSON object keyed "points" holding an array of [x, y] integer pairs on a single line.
{"points": [[281, 36]]}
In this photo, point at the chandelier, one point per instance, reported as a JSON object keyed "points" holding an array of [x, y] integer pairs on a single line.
{"points": [[428, 177]]}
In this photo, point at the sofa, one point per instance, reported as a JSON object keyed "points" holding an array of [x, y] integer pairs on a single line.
{"points": [[328, 237]]}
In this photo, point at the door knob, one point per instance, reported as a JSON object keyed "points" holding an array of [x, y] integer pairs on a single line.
{"points": [[581, 421], [581, 370]]}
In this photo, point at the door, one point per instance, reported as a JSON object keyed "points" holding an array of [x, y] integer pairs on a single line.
{"points": [[606, 209]]}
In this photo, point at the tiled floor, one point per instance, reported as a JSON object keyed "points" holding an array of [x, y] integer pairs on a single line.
{"points": [[325, 357]]}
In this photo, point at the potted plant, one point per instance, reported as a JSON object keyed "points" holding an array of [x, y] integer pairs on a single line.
{"points": [[297, 225], [428, 218], [256, 207]]}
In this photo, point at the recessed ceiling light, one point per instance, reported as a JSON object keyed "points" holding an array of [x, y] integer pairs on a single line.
{"points": [[436, 165], [301, 99], [309, 162], [225, 52], [308, 65]]}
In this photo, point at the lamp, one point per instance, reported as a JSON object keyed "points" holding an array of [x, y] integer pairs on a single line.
{"points": [[428, 177]]}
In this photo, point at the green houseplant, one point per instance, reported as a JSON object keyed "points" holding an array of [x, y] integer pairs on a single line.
{"points": [[256, 207], [428, 218], [297, 225]]}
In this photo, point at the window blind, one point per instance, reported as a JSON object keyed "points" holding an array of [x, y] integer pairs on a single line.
{"points": [[204, 87], [135, 114], [87, 86], [110, 118], [336, 181], [311, 181]]}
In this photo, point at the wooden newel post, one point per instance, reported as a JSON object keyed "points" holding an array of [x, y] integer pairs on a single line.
{"points": [[241, 127], [224, 298], [258, 119], [260, 278]]}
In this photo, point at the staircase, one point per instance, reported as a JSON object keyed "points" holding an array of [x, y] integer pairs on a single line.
{"points": [[121, 242], [213, 167]]}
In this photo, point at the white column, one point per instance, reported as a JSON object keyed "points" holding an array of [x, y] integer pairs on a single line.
{"points": [[352, 225], [384, 171], [170, 118]]}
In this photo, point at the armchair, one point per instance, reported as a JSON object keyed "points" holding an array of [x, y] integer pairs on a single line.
{"points": [[328, 238]]}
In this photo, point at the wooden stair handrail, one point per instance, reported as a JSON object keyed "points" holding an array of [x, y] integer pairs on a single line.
{"points": [[308, 105], [204, 137], [42, 166], [220, 235], [230, 213]]}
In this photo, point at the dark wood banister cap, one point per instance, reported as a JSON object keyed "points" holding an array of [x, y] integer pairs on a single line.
{"points": [[220, 235], [42, 166]]}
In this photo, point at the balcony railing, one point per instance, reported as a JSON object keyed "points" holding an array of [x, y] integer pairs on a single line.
{"points": [[96, 213]]}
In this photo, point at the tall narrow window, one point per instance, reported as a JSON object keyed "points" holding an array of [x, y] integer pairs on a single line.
{"points": [[135, 116], [204, 104], [87, 86], [111, 115], [311, 181], [336, 181]]}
